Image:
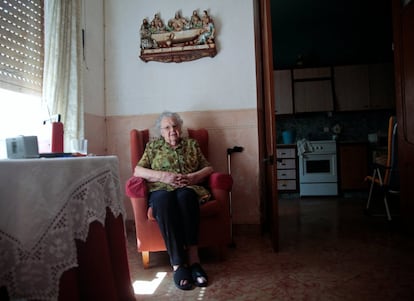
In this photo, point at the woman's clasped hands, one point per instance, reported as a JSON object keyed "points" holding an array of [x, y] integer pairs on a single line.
{"points": [[177, 180]]}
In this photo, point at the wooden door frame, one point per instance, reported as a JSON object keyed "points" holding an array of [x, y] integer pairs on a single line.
{"points": [[404, 74], [266, 123]]}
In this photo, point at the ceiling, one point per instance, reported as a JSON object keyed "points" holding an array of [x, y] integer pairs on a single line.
{"points": [[331, 32]]}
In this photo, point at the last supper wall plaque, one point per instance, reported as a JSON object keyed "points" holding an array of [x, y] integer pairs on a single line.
{"points": [[180, 39]]}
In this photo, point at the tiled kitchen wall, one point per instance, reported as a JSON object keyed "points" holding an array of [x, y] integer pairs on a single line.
{"points": [[355, 126]]}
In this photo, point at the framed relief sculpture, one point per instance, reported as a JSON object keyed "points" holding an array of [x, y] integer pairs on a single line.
{"points": [[179, 40]]}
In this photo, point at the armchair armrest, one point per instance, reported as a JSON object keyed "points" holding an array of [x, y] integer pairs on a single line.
{"points": [[220, 185], [136, 187], [220, 181]]}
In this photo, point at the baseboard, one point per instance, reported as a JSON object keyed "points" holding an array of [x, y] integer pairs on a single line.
{"points": [[246, 229]]}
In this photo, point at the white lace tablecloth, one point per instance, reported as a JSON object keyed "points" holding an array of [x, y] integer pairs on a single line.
{"points": [[45, 204]]}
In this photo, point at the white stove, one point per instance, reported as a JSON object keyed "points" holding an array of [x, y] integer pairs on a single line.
{"points": [[318, 175]]}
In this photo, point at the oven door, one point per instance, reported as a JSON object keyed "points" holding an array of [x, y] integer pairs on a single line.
{"points": [[317, 168]]}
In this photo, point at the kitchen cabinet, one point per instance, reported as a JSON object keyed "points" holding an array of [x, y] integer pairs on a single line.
{"points": [[364, 87], [353, 166], [283, 92], [286, 168], [313, 90], [381, 86], [351, 87], [340, 88]]}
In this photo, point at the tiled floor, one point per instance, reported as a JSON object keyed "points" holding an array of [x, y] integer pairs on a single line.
{"points": [[329, 250]]}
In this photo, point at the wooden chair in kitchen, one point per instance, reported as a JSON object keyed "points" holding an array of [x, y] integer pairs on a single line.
{"points": [[385, 175], [215, 227]]}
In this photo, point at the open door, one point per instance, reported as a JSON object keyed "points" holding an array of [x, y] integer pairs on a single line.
{"points": [[266, 123], [403, 29]]}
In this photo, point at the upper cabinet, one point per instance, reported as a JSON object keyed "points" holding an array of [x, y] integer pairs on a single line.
{"points": [[283, 91], [381, 86], [340, 88], [364, 87], [313, 90], [351, 87]]}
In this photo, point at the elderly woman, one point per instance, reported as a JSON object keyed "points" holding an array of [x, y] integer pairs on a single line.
{"points": [[174, 167]]}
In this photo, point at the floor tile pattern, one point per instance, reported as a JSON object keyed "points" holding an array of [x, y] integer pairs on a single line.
{"points": [[329, 250]]}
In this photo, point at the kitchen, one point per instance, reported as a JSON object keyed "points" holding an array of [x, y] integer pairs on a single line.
{"points": [[334, 85]]}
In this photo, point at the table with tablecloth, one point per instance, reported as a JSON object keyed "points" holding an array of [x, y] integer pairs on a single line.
{"points": [[62, 234]]}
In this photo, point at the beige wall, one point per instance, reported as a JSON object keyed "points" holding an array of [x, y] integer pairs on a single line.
{"points": [[224, 82], [95, 132], [121, 91], [226, 129]]}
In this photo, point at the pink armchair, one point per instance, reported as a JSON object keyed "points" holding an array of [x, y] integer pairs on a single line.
{"points": [[215, 221]]}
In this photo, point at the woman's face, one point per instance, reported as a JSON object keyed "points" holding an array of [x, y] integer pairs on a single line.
{"points": [[170, 130]]}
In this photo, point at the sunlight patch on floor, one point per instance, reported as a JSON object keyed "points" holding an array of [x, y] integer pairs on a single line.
{"points": [[142, 287], [202, 293]]}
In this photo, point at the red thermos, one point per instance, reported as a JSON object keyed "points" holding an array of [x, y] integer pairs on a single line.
{"points": [[57, 137]]}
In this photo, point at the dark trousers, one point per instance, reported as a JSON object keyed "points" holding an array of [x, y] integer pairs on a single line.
{"points": [[178, 215]]}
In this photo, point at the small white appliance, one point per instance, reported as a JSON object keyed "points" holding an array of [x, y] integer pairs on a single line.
{"points": [[22, 147]]}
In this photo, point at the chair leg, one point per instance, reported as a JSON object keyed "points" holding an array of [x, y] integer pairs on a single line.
{"points": [[374, 175], [145, 259], [371, 188], [386, 206]]}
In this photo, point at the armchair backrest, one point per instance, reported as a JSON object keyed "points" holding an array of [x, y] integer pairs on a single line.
{"points": [[140, 138]]}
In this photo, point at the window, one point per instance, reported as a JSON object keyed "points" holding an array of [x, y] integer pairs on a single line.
{"points": [[21, 45], [21, 69], [20, 114]]}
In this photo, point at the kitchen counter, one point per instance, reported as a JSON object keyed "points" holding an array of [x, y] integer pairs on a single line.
{"points": [[353, 142], [353, 159]]}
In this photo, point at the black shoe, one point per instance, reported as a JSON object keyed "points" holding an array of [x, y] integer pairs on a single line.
{"points": [[196, 272], [183, 273]]}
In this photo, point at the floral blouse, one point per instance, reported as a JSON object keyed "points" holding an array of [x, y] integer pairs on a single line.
{"points": [[185, 158]]}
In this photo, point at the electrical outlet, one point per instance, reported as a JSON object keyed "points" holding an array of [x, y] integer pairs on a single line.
{"points": [[326, 129]]}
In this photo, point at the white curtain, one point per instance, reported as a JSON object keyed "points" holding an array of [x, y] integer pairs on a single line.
{"points": [[62, 79]]}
